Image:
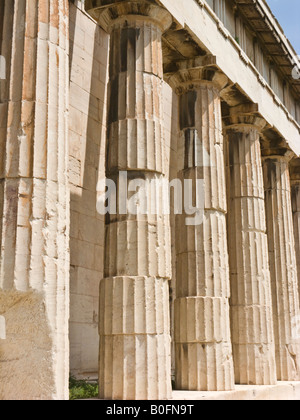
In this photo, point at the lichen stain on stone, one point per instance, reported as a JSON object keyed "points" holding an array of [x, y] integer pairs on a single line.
{"points": [[57, 59], [11, 196], [43, 12], [54, 18]]}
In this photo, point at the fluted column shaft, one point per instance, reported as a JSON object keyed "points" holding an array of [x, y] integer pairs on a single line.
{"points": [[295, 186], [34, 199], [251, 298], [134, 324], [281, 240], [202, 323]]}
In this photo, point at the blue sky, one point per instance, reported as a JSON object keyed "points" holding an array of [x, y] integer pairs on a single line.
{"points": [[287, 13]]}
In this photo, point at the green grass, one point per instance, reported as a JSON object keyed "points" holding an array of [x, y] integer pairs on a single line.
{"points": [[81, 390]]}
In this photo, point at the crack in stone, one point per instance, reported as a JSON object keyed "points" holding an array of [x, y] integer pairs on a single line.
{"points": [[293, 357]]}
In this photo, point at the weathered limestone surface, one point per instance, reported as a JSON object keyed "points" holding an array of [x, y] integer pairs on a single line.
{"points": [[286, 312], [34, 228], [36, 218], [134, 338], [251, 298], [202, 325], [295, 186], [134, 310]]}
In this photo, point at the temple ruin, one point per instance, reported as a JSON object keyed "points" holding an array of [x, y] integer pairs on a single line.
{"points": [[162, 91]]}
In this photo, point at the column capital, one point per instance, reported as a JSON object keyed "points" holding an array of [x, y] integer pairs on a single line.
{"points": [[274, 147], [194, 73], [295, 171], [245, 115], [278, 154], [111, 12]]}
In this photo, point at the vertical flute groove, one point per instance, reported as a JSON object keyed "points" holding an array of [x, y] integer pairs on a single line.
{"points": [[283, 266], [251, 299], [33, 169], [134, 322], [296, 220], [202, 322]]}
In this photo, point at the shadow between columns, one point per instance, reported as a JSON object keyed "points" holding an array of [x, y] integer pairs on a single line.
{"points": [[173, 172], [87, 163]]}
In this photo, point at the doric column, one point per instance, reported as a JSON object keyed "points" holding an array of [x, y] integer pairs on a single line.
{"points": [[286, 312], [251, 298], [134, 295], [34, 199], [295, 185], [202, 322]]}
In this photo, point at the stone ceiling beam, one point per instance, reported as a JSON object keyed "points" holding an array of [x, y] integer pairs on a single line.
{"points": [[214, 39]]}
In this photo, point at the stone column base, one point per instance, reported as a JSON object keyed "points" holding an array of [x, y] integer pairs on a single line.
{"points": [[283, 391]]}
